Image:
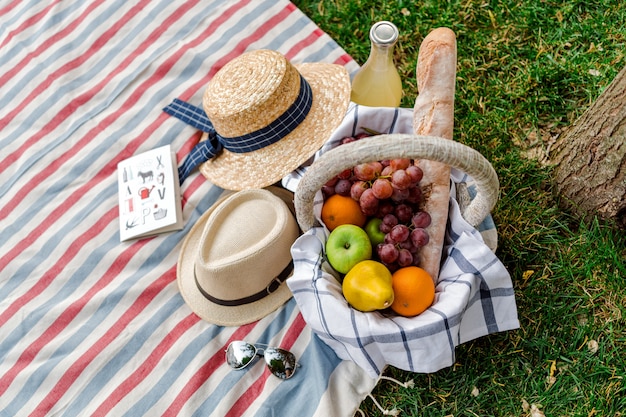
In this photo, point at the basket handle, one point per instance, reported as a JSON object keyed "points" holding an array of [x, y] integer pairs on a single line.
{"points": [[396, 145]]}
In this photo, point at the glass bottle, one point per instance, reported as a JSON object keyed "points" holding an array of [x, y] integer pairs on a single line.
{"points": [[377, 83]]}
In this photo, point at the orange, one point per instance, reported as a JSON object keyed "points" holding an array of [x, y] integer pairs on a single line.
{"points": [[413, 289], [338, 210]]}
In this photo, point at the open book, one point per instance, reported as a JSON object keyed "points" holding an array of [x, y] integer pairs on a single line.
{"points": [[149, 194]]}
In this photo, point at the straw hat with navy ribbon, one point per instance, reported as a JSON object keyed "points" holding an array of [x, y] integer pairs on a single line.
{"points": [[263, 117]]}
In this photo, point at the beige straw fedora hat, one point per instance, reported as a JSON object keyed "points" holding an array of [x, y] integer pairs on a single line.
{"points": [[289, 111], [235, 259]]}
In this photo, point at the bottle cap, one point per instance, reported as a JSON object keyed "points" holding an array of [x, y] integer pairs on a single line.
{"points": [[384, 33]]}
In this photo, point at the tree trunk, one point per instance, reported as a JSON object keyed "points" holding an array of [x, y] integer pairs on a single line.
{"points": [[590, 158]]}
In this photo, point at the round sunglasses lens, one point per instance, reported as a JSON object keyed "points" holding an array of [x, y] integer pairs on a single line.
{"points": [[240, 354], [282, 363]]}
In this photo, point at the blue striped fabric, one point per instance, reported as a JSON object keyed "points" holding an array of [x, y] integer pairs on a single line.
{"points": [[92, 326], [252, 141], [190, 114]]}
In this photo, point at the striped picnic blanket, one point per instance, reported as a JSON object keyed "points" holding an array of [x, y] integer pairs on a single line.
{"points": [[92, 326]]}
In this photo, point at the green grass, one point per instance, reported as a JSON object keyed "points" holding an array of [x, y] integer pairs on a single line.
{"points": [[526, 71]]}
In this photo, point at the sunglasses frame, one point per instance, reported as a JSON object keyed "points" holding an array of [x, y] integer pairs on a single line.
{"points": [[284, 369]]}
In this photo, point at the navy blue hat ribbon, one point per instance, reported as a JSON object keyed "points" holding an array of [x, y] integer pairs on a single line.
{"points": [[272, 133]]}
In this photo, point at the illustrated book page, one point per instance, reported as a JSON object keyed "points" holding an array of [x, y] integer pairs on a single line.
{"points": [[149, 194]]}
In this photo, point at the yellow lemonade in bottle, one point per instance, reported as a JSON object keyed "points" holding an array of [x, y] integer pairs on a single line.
{"points": [[377, 83]]}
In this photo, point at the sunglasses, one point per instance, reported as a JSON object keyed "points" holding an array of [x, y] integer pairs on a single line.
{"points": [[280, 362]]}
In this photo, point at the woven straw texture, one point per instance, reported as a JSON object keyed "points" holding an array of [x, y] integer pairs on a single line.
{"points": [[252, 92], [391, 146], [270, 84]]}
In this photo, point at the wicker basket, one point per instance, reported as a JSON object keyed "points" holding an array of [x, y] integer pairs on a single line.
{"points": [[474, 294], [397, 145]]}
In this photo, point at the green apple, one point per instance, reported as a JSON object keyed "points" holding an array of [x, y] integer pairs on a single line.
{"points": [[372, 228], [347, 245]]}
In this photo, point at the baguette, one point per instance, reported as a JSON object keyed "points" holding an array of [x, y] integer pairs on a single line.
{"points": [[433, 115]]}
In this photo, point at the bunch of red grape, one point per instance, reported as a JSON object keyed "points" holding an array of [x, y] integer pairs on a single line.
{"points": [[389, 190]]}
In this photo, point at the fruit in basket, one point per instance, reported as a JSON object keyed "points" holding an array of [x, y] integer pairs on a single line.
{"points": [[339, 209], [369, 203], [372, 228], [414, 291], [368, 171], [382, 188], [347, 245], [388, 190], [368, 286]]}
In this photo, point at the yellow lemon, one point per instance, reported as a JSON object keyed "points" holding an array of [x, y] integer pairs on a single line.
{"points": [[368, 286]]}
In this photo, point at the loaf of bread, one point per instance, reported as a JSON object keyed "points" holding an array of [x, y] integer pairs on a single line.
{"points": [[433, 115]]}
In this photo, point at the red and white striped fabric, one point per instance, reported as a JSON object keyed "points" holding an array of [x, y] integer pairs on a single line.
{"points": [[92, 326]]}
